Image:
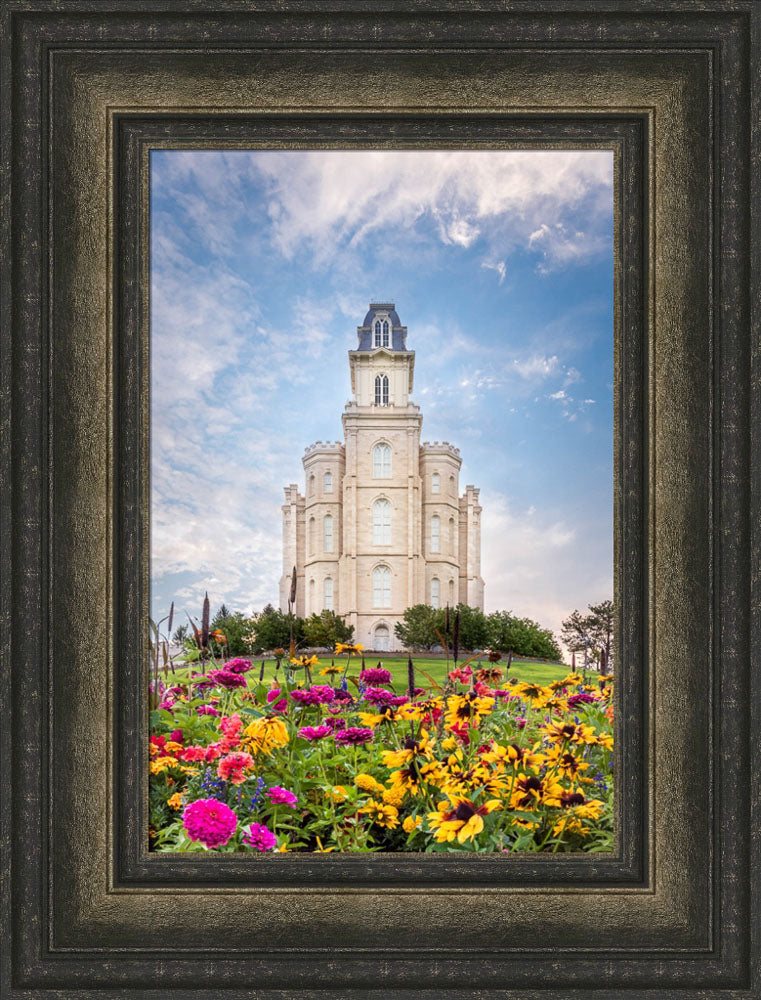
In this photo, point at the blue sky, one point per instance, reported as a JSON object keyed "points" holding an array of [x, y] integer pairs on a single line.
{"points": [[501, 266]]}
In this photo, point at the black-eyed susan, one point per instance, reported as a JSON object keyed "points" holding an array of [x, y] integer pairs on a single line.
{"points": [[382, 814], [460, 819], [467, 708]]}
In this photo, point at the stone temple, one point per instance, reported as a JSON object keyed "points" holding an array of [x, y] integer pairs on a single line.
{"points": [[383, 525]]}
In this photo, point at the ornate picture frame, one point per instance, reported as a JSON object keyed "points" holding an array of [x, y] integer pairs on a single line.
{"points": [[673, 88]]}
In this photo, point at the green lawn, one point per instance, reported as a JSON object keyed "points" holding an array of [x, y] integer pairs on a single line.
{"points": [[523, 670]]}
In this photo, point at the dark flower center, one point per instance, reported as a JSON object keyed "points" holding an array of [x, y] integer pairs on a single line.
{"points": [[464, 811]]}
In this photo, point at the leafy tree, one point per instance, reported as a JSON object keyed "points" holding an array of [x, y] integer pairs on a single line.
{"points": [[600, 624], [523, 636], [271, 629], [326, 629], [417, 630], [474, 627], [591, 631], [235, 627]]}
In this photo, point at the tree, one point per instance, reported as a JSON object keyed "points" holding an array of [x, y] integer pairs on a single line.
{"points": [[593, 630], [474, 627], [180, 634], [600, 624], [326, 629], [235, 626], [417, 630], [271, 629], [523, 636]]}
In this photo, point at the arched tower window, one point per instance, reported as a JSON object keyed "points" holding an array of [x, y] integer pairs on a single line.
{"points": [[451, 592], [435, 533], [381, 390], [382, 522], [381, 333], [451, 538], [327, 532], [435, 483], [435, 597], [327, 482], [381, 587], [382, 461], [327, 602], [311, 595], [452, 489], [311, 536], [311, 485]]}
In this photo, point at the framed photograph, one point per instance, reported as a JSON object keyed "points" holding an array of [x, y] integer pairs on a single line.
{"points": [[156, 152]]}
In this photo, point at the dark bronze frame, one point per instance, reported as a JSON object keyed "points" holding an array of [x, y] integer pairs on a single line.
{"points": [[90, 87]]}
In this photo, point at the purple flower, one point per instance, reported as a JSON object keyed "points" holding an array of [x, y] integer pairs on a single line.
{"points": [[257, 835], [402, 699], [343, 695], [379, 696], [581, 698], [375, 675], [237, 666], [207, 710], [227, 679], [280, 704], [210, 821], [314, 732], [353, 736], [281, 796]]}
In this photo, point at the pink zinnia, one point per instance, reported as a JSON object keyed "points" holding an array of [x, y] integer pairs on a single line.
{"points": [[192, 753], [379, 696], [281, 796], [227, 679], [314, 732], [257, 835], [375, 675], [210, 821], [353, 736], [280, 704], [207, 710], [237, 666], [232, 768], [320, 694]]}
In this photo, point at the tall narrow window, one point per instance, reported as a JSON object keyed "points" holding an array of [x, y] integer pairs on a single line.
{"points": [[435, 593], [381, 390], [382, 461], [381, 587], [382, 522], [451, 592], [311, 485], [435, 534], [451, 539], [311, 596], [311, 536], [381, 337], [452, 489], [327, 482], [327, 532], [435, 483], [327, 602], [385, 333]]}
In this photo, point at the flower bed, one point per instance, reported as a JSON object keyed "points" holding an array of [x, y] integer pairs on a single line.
{"points": [[343, 762]]}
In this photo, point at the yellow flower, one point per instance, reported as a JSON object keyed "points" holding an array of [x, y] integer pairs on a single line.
{"points": [[329, 671], [393, 796], [571, 679], [161, 764], [348, 647], [467, 708], [449, 743], [339, 793], [369, 784], [320, 849], [412, 823], [383, 815], [462, 819], [535, 694], [171, 747], [304, 660], [265, 734], [174, 801]]}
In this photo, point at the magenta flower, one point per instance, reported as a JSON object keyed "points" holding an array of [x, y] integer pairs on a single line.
{"points": [[281, 796], [379, 696], [320, 694], [237, 666], [314, 732], [581, 698], [353, 736], [209, 821], [334, 724], [227, 679], [206, 710], [375, 675], [257, 835], [281, 704]]}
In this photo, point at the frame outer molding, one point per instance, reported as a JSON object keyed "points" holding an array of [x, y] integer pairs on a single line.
{"points": [[71, 927]]}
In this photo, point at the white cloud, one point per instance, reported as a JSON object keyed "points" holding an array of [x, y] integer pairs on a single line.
{"points": [[500, 267], [537, 366]]}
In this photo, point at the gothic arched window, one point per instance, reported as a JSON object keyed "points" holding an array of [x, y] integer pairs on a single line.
{"points": [[435, 593], [311, 536], [381, 335], [327, 532], [327, 482], [381, 390], [451, 536], [451, 592], [382, 641], [435, 533], [381, 587], [327, 602], [382, 461], [382, 522]]}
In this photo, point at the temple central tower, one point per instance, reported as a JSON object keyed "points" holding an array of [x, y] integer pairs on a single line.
{"points": [[382, 525]]}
